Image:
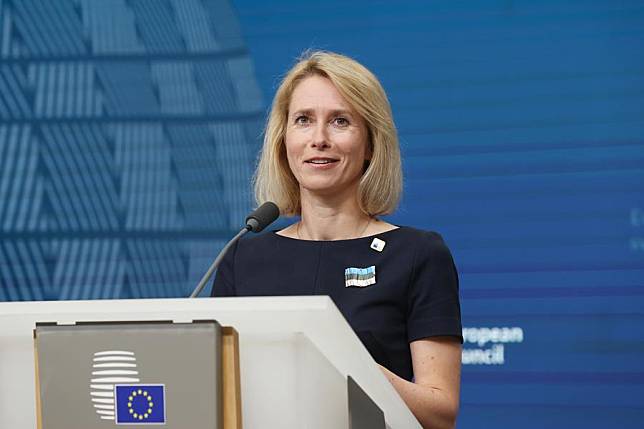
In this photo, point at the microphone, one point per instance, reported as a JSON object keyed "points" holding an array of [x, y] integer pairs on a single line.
{"points": [[259, 219], [262, 217]]}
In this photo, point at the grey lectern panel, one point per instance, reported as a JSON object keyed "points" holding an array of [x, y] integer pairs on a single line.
{"points": [[363, 412], [130, 375]]}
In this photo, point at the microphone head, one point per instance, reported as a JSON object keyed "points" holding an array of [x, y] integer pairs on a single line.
{"points": [[263, 216]]}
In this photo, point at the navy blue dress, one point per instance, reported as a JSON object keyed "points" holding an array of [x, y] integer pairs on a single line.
{"points": [[403, 292]]}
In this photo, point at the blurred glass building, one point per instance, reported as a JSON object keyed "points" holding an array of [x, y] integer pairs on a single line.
{"points": [[128, 135]]}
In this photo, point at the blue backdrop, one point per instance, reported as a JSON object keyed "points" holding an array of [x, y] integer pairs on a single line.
{"points": [[129, 129]]}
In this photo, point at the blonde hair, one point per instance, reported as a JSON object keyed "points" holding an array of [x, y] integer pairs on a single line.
{"points": [[380, 186]]}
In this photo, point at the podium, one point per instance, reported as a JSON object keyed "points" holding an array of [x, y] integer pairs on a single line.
{"points": [[296, 354]]}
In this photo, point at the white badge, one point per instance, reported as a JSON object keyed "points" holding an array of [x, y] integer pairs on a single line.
{"points": [[377, 244]]}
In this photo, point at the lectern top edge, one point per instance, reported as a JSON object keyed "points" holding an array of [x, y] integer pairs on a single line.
{"points": [[309, 303]]}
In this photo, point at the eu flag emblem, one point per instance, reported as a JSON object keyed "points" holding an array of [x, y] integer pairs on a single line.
{"points": [[140, 403]]}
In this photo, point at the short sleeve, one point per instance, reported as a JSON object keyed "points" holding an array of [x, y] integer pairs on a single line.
{"points": [[433, 302], [224, 284]]}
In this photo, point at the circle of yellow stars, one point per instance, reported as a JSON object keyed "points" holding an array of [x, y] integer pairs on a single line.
{"points": [[146, 396]]}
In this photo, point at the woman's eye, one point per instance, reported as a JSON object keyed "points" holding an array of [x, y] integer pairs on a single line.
{"points": [[341, 122], [301, 120]]}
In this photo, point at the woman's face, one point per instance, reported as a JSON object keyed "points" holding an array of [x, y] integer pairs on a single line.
{"points": [[326, 139]]}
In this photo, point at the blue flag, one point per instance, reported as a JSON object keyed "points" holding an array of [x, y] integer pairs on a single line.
{"points": [[140, 403]]}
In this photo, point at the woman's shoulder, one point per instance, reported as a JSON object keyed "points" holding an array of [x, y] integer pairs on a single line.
{"points": [[426, 244], [265, 238], [252, 247]]}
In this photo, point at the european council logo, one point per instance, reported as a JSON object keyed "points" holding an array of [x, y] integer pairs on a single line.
{"points": [[117, 393], [140, 403]]}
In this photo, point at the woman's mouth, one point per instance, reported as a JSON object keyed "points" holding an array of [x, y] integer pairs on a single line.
{"points": [[321, 161]]}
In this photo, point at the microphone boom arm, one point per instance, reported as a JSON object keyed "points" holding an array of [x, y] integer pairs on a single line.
{"points": [[213, 267], [259, 219]]}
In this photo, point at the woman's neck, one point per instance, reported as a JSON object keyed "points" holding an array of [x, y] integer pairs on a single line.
{"points": [[331, 219]]}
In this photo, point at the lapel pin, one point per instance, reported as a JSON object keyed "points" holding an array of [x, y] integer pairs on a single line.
{"points": [[377, 245]]}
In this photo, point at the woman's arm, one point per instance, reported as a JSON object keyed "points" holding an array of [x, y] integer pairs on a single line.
{"points": [[434, 396]]}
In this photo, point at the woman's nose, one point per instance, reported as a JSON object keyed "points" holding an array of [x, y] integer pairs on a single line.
{"points": [[320, 138]]}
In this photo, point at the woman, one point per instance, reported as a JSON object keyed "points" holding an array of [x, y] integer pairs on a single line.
{"points": [[331, 157]]}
